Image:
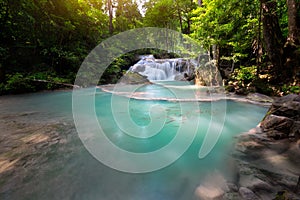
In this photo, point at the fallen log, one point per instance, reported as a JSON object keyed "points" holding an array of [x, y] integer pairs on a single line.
{"points": [[57, 83]]}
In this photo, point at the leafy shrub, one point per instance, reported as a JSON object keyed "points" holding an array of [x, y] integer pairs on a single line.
{"points": [[244, 75], [290, 89], [17, 83], [21, 83]]}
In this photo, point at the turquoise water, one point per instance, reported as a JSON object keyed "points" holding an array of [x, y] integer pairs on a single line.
{"points": [[81, 176]]}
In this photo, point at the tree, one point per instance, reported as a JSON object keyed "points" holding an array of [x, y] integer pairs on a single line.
{"points": [[184, 13], [283, 53], [272, 36], [128, 15], [51, 37], [230, 26], [161, 14], [292, 45]]}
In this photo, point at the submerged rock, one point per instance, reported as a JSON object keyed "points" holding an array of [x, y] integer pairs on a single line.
{"points": [[214, 187]]}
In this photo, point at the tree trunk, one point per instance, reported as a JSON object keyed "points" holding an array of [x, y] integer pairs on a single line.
{"points": [[188, 26], [2, 74], [259, 50], [273, 38], [180, 17], [110, 12], [216, 54], [292, 63], [293, 25]]}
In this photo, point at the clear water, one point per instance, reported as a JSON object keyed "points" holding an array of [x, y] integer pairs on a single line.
{"points": [[80, 176]]}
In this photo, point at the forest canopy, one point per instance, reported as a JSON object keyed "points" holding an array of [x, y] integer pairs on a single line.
{"points": [[255, 44]]}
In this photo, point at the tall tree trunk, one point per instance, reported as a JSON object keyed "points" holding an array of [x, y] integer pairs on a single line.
{"points": [[292, 64], [188, 26], [180, 17], [110, 13], [293, 24], [259, 50], [273, 38]]}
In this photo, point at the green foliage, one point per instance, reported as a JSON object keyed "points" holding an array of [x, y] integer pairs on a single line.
{"points": [[231, 25], [21, 83], [17, 83], [290, 89], [244, 75], [48, 40], [127, 15], [161, 14]]}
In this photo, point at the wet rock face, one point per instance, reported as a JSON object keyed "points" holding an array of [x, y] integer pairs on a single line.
{"points": [[283, 118], [259, 97], [134, 78], [247, 194], [268, 156]]}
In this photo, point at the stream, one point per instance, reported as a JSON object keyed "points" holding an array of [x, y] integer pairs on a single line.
{"points": [[43, 157]]}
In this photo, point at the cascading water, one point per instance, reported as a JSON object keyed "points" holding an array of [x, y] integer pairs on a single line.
{"points": [[161, 69]]}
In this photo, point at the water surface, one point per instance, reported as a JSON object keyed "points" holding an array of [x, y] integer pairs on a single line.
{"points": [[70, 172]]}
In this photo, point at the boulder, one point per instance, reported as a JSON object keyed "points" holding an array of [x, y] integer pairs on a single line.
{"points": [[287, 106], [209, 192], [134, 78], [247, 194], [277, 135], [278, 123], [241, 91], [138, 68], [295, 130], [254, 183], [283, 118], [230, 88], [213, 187]]}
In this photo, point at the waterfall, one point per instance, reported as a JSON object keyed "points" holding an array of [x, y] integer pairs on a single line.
{"points": [[161, 69]]}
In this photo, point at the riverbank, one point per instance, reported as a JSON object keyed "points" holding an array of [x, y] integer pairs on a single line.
{"points": [[266, 158], [30, 149]]}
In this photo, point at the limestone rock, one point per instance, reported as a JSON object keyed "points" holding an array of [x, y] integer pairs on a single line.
{"points": [[247, 194], [279, 123], [214, 187], [259, 97], [134, 78], [287, 106], [254, 183], [265, 165], [283, 118], [277, 135], [209, 192], [241, 91], [231, 196], [295, 130]]}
